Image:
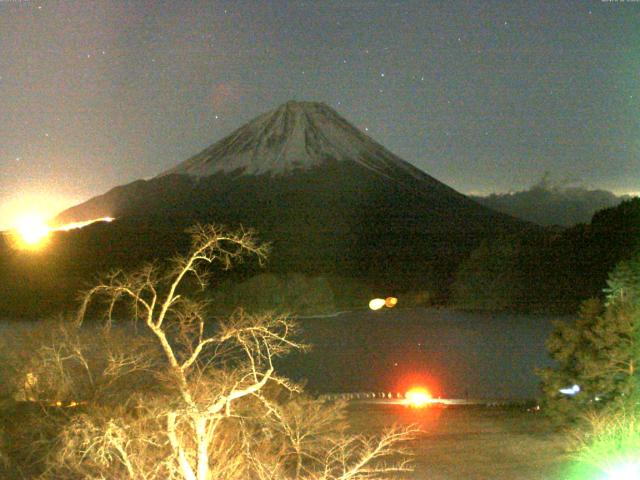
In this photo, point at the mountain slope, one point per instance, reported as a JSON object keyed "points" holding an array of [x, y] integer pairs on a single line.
{"points": [[329, 198]]}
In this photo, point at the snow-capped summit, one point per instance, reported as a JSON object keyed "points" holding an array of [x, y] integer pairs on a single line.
{"points": [[295, 136]]}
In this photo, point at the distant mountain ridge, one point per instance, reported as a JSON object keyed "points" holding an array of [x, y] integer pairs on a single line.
{"points": [[548, 204]]}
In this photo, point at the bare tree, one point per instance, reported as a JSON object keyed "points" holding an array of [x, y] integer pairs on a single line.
{"points": [[317, 446], [218, 409]]}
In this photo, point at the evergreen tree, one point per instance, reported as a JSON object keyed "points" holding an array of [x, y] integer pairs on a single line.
{"points": [[599, 352], [624, 282]]}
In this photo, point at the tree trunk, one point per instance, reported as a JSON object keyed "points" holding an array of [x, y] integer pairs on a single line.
{"points": [[187, 471], [203, 448]]}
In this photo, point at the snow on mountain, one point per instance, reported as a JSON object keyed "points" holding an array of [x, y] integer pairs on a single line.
{"points": [[295, 136]]}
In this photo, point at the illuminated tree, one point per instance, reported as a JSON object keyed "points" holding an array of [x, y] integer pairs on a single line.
{"points": [[211, 404], [599, 352]]}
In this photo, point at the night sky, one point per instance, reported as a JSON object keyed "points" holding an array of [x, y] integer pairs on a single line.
{"points": [[484, 96]]}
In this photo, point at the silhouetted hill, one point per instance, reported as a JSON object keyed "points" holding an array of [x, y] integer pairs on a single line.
{"points": [[549, 270]]}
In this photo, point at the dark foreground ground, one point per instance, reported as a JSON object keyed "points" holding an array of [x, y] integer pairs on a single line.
{"points": [[473, 443]]}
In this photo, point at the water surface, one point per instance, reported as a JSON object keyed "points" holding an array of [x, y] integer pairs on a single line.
{"points": [[457, 354]]}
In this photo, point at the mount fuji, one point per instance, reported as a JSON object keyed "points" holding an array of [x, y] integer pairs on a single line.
{"points": [[327, 196]]}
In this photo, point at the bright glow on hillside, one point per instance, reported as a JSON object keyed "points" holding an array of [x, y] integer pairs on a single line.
{"points": [[32, 230], [75, 225], [418, 397]]}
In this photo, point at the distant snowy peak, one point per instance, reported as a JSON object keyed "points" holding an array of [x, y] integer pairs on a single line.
{"points": [[297, 135]]}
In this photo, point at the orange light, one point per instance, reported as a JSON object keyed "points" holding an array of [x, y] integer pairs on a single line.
{"points": [[390, 302], [418, 397]]}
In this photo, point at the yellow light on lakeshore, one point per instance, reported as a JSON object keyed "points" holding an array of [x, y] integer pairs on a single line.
{"points": [[32, 230], [418, 397], [376, 303], [390, 302]]}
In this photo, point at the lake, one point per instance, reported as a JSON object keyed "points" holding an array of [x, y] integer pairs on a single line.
{"points": [[455, 354]]}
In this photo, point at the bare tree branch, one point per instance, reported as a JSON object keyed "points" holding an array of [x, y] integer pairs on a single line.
{"points": [[216, 407]]}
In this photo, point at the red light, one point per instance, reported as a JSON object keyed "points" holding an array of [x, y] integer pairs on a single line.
{"points": [[418, 397]]}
